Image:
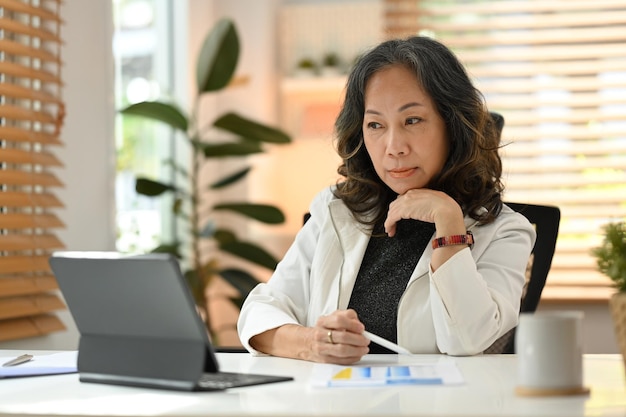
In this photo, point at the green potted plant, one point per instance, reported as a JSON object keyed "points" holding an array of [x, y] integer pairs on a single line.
{"points": [[215, 67], [305, 67], [331, 65], [611, 260]]}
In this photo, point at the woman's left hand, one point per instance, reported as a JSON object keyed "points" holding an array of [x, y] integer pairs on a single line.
{"points": [[428, 206]]}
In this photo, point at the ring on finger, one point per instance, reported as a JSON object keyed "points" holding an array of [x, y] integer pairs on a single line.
{"points": [[329, 335]]}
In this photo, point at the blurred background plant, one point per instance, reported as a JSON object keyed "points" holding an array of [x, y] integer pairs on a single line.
{"points": [[611, 254], [193, 203]]}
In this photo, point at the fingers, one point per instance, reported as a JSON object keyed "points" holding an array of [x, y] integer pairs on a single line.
{"points": [[342, 320], [421, 204], [338, 338], [407, 206], [390, 226], [340, 346]]}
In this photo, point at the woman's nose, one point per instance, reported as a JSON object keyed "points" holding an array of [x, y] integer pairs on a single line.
{"points": [[397, 143]]}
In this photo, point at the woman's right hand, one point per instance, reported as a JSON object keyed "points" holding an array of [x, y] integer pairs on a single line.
{"points": [[335, 338]]}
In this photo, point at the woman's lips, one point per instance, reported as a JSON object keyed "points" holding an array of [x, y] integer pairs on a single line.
{"points": [[401, 173]]}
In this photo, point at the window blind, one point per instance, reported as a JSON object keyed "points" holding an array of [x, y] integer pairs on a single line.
{"points": [[556, 71], [31, 114]]}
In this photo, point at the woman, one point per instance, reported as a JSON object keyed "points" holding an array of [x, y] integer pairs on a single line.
{"points": [[414, 244]]}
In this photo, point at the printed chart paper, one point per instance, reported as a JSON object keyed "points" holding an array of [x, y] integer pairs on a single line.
{"points": [[444, 373]]}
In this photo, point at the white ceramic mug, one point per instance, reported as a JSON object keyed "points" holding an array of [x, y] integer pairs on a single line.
{"points": [[549, 350]]}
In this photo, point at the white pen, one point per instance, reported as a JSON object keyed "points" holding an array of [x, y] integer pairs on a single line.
{"points": [[385, 343]]}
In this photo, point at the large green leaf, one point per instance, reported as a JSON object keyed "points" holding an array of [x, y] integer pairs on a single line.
{"points": [[152, 188], [223, 150], [171, 248], [240, 279], [250, 252], [261, 212], [249, 129], [156, 110], [218, 57], [230, 179], [224, 236]]}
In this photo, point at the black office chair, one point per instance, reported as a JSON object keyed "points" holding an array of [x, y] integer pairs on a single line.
{"points": [[546, 220]]}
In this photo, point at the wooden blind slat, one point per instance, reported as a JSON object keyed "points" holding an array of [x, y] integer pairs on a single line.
{"points": [[602, 210], [16, 221], [17, 156], [22, 71], [563, 180], [29, 305], [29, 327], [558, 197], [10, 177], [537, 37], [22, 199], [580, 101], [574, 148], [17, 91], [16, 48], [20, 28], [20, 113], [29, 242], [518, 7], [23, 285], [543, 164], [532, 117], [15, 134], [555, 83], [572, 132], [21, 7], [23, 264], [537, 21], [555, 69], [546, 53]]}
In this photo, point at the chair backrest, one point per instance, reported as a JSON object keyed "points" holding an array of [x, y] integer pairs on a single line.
{"points": [[546, 220]]}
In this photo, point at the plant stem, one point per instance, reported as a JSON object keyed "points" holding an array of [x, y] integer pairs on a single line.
{"points": [[197, 156]]}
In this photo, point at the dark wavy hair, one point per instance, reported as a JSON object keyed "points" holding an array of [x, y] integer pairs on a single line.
{"points": [[472, 171]]}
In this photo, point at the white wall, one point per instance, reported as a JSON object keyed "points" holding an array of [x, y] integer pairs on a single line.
{"points": [[88, 132]]}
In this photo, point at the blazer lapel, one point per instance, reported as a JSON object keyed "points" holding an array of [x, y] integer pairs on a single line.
{"points": [[353, 238]]}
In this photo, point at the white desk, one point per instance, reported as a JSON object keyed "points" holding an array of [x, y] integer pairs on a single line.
{"points": [[488, 391]]}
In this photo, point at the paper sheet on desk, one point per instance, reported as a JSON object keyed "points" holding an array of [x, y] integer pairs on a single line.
{"points": [[444, 373], [55, 363]]}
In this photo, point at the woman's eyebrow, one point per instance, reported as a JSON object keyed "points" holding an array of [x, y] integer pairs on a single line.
{"points": [[401, 109], [409, 105]]}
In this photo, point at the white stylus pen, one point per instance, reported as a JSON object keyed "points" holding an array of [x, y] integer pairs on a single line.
{"points": [[385, 343]]}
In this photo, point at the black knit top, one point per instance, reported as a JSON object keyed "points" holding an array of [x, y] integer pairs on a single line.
{"points": [[385, 271]]}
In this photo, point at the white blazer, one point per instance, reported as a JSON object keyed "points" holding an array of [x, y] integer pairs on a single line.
{"points": [[459, 309]]}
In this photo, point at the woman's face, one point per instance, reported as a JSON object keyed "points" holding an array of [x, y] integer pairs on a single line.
{"points": [[404, 134]]}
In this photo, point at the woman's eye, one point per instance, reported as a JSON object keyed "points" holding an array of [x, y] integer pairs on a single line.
{"points": [[373, 125], [413, 120]]}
